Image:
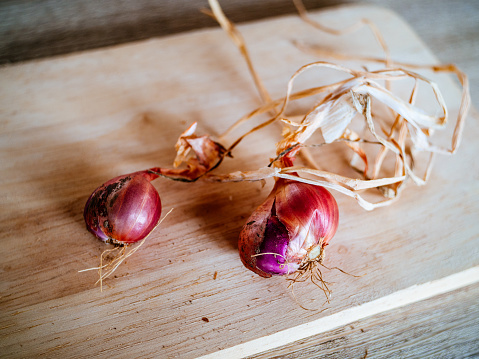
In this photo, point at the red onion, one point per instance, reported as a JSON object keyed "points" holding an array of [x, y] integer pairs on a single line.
{"points": [[125, 209], [290, 229]]}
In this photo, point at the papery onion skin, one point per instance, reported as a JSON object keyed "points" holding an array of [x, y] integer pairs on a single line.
{"points": [[296, 221], [125, 209]]}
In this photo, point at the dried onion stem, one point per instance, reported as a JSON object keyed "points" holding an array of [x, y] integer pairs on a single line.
{"points": [[404, 130]]}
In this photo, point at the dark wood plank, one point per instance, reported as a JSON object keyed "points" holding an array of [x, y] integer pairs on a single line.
{"points": [[43, 28]]}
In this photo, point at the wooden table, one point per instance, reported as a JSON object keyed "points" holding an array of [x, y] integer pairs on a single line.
{"points": [[38, 29], [70, 123]]}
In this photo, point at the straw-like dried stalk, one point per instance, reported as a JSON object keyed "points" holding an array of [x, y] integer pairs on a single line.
{"points": [[403, 130]]}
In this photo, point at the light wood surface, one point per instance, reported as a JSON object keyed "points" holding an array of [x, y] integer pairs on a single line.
{"points": [[70, 123]]}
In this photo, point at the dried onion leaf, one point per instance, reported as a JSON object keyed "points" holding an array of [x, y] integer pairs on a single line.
{"points": [[341, 103]]}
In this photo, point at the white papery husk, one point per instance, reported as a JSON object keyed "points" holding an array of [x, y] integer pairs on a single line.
{"points": [[332, 116], [403, 130]]}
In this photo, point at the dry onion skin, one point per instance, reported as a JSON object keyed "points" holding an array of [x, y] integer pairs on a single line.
{"points": [[405, 130]]}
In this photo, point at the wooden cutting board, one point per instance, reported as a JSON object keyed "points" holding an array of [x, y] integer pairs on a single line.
{"points": [[70, 123]]}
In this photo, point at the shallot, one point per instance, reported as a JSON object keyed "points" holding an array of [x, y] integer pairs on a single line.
{"points": [[289, 230], [125, 209]]}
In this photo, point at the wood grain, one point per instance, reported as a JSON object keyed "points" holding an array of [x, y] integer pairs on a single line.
{"points": [[445, 326], [44, 28], [293, 338], [70, 123], [35, 29]]}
